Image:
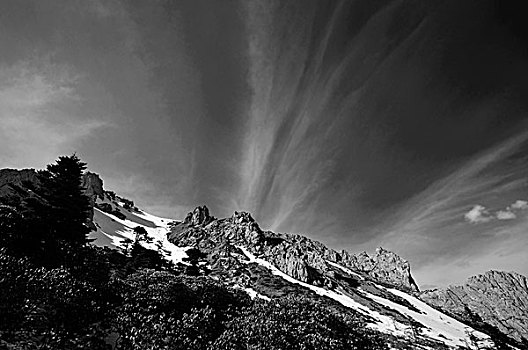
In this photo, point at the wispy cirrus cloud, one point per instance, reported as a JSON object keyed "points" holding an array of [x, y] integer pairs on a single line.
{"points": [[433, 225], [446, 199], [38, 104]]}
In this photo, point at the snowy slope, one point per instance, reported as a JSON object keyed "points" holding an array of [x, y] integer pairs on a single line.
{"points": [[436, 325], [384, 324], [111, 230], [375, 301]]}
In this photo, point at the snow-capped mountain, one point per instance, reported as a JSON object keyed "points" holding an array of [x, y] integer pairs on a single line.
{"points": [[239, 255], [378, 289]]}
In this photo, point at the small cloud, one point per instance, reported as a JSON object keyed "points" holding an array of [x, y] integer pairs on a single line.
{"points": [[520, 205], [477, 215], [505, 214]]}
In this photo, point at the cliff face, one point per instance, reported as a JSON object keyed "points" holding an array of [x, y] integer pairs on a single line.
{"points": [[17, 177], [498, 298], [295, 255], [17, 185], [93, 188]]}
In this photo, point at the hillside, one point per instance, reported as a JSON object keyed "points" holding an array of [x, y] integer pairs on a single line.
{"points": [[268, 265], [377, 290], [496, 297]]}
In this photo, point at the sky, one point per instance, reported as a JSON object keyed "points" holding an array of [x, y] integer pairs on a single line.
{"points": [[358, 123]]}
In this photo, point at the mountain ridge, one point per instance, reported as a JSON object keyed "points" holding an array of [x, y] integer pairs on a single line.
{"points": [[497, 297], [201, 229], [378, 288]]}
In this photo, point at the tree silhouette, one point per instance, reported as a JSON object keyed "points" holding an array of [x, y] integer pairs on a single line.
{"points": [[142, 235], [68, 211], [64, 192], [127, 243], [193, 258]]}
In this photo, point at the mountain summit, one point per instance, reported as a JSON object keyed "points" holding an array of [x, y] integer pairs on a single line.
{"points": [[377, 289], [296, 255]]}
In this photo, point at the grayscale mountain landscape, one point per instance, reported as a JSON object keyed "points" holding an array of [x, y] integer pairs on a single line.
{"points": [[263, 174]]}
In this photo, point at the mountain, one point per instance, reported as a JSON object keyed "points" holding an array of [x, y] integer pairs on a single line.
{"points": [[378, 289], [267, 265], [16, 185], [496, 297]]}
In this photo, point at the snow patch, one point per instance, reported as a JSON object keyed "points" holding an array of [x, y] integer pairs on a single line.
{"points": [[254, 294], [438, 326], [112, 230], [384, 323]]}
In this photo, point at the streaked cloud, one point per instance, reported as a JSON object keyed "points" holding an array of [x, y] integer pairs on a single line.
{"points": [[38, 104], [332, 119], [443, 201], [433, 226]]}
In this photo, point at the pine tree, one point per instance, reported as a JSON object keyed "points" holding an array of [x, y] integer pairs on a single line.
{"points": [[194, 255], [142, 235], [127, 243], [68, 205]]}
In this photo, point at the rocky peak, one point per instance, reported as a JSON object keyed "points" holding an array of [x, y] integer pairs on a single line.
{"points": [[93, 186], [391, 267], [296, 255], [18, 177], [242, 217], [16, 185], [198, 217], [93, 189], [385, 266], [497, 297]]}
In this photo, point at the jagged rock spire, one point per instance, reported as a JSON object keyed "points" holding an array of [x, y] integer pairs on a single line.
{"points": [[199, 216], [240, 217], [93, 186], [297, 256]]}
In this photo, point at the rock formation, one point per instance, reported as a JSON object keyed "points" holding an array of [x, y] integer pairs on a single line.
{"points": [[498, 298], [17, 177], [297, 256], [385, 266], [15, 185], [93, 186], [198, 217]]}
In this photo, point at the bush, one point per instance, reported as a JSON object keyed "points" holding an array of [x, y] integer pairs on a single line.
{"points": [[164, 311], [47, 308], [296, 323]]}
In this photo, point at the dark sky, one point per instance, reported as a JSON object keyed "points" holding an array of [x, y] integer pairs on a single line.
{"points": [[357, 123]]}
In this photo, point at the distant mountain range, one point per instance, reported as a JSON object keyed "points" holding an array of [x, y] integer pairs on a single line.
{"points": [[489, 311]]}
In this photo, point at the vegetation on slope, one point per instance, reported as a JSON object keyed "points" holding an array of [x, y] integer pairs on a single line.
{"points": [[58, 292]]}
